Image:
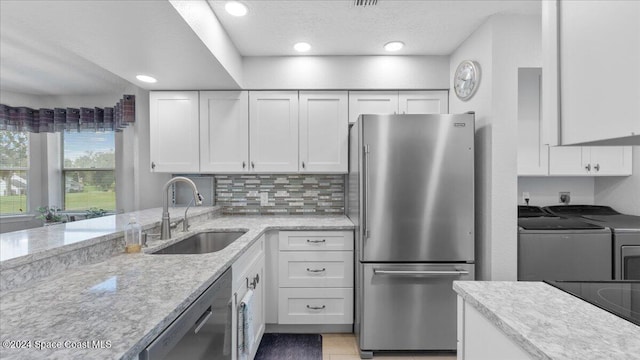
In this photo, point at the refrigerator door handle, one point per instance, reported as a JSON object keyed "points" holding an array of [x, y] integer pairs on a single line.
{"points": [[420, 272], [367, 152]]}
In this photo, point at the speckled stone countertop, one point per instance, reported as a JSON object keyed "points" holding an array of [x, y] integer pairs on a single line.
{"points": [[127, 300], [24, 246], [34, 254], [551, 324]]}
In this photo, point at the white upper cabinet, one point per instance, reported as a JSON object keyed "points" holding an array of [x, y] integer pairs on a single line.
{"points": [[224, 131], [569, 160], [590, 161], [611, 160], [423, 102], [174, 131], [372, 102], [533, 154], [273, 129], [324, 131], [397, 102], [598, 77]]}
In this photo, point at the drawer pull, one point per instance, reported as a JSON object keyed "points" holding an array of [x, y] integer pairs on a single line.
{"points": [[316, 270], [316, 307], [316, 241]]}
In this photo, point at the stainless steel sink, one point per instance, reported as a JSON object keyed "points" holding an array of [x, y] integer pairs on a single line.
{"points": [[202, 243]]}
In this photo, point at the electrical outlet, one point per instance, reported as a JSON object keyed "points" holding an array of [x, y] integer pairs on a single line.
{"points": [[565, 197], [264, 198], [526, 197]]}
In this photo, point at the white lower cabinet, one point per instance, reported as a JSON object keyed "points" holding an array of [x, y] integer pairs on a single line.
{"points": [[315, 277], [316, 269], [479, 339], [297, 278], [248, 275], [315, 305]]}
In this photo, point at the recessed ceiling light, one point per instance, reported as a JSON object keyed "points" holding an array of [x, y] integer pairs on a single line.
{"points": [[393, 45], [302, 47], [146, 78], [236, 8]]}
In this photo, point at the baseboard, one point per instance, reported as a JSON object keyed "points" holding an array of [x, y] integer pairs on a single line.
{"points": [[309, 329]]}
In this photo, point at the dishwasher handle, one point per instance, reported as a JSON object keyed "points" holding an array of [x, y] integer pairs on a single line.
{"points": [[203, 320], [421, 272]]}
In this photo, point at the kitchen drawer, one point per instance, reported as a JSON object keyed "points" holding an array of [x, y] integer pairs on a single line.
{"points": [[316, 269], [243, 263], [315, 240], [315, 306]]}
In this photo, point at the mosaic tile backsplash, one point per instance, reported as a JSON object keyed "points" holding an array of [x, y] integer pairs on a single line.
{"points": [[287, 194]]}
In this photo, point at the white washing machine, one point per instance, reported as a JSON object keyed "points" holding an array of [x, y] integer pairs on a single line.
{"points": [[556, 248]]}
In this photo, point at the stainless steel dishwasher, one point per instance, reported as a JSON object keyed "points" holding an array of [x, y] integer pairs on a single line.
{"points": [[202, 331]]}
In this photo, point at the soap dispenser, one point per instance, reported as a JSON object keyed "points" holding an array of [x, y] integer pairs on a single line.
{"points": [[133, 236]]}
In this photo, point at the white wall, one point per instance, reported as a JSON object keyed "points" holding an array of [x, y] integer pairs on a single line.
{"points": [[478, 47], [621, 193], [346, 72], [544, 191], [206, 25], [501, 45], [147, 186]]}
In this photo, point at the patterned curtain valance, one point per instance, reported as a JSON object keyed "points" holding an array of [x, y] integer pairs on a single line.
{"points": [[114, 118]]}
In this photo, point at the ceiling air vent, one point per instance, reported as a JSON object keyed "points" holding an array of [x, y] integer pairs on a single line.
{"points": [[365, 2]]}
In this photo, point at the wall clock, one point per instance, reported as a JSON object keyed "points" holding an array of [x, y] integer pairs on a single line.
{"points": [[466, 79]]}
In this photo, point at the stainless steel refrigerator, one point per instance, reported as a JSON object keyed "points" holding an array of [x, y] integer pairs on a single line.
{"points": [[411, 197]]}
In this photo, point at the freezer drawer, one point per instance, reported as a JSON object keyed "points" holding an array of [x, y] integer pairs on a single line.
{"points": [[410, 306]]}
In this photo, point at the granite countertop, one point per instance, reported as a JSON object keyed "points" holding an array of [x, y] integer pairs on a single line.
{"points": [[24, 246], [551, 324], [120, 305]]}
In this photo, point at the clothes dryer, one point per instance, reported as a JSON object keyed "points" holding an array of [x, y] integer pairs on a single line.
{"points": [[625, 230]]}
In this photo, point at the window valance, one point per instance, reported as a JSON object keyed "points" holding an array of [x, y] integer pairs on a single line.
{"points": [[116, 118]]}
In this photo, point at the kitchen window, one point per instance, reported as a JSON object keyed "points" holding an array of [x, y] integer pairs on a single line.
{"points": [[14, 167], [88, 170]]}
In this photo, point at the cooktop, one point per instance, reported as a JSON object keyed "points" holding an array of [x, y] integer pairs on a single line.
{"points": [[621, 298]]}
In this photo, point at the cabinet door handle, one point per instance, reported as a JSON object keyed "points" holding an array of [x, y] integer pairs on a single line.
{"points": [[253, 165], [316, 241], [588, 167], [597, 167], [153, 165], [244, 164], [303, 166], [316, 270], [315, 307]]}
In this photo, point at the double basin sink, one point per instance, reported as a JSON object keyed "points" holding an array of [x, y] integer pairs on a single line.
{"points": [[202, 243]]}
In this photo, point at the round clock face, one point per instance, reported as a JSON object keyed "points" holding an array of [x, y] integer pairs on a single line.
{"points": [[466, 80]]}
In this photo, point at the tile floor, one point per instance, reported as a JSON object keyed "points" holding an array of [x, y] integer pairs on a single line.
{"points": [[343, 347]]}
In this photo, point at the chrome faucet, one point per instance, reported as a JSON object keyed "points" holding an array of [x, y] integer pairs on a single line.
{"points": [[165, 228]]}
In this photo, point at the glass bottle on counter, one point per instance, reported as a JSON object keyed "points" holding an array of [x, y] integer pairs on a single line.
{"points": [[133, 236]]}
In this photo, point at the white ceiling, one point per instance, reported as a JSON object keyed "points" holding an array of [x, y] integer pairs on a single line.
{"points": [[338, 27], [75, 47], [94, 47]]}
